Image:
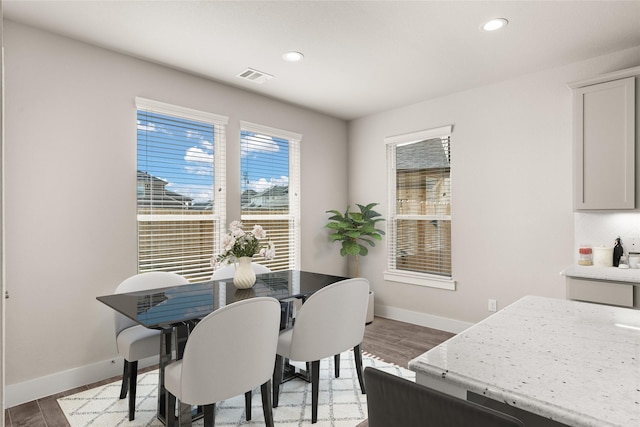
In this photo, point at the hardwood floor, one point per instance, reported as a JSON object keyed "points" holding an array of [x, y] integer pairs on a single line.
{"points": [[393, 341]]}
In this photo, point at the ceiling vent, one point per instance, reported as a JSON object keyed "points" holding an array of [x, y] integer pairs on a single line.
{"points": [[255, 76]]}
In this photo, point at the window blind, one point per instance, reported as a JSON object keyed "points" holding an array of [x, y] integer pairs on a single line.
{"points": [[270, 194], [181, 189], [420, 235]]}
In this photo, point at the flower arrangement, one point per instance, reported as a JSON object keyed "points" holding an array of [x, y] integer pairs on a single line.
{"points": [[238, 244]]}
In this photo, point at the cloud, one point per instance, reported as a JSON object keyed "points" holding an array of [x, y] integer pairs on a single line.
{"points": [[196, 154], [258, 143], [263, 184], [199, 161], [150, 127]]}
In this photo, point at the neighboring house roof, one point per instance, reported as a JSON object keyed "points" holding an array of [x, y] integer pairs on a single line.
{"points": [[275, 191], [274, 197], [246, 196], [156, 195], [428, 154]]}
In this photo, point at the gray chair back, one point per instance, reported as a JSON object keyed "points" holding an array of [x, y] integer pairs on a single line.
{"points": [[142, 282], [331, 320], [396, 401], [231, 351]]}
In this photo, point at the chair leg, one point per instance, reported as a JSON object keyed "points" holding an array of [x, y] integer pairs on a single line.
{"points": [[277, 379], [210, 415], [336, 364], [265, 390], [133, 379], [125, 379], [315, 387], [357, 353], [171, 410], [184, 415], [247, 405]]}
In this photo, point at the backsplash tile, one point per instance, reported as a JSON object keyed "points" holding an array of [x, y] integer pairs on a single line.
{"points": [[601, 229]]}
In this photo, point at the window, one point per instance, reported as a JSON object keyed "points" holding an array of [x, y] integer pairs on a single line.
{"points": [[181, 188], [419, 169], [270, 186]]}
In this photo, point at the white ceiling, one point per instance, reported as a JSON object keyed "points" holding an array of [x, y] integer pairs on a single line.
{"points": [[361, 57]]}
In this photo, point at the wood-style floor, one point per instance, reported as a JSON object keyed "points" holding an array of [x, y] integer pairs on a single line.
{"points": [[393, 341]]}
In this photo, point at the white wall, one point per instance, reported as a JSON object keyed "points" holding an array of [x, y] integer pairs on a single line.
{"points": [[513, 224], [70, 194]]}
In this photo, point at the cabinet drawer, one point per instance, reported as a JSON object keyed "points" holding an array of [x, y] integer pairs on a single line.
{"points": [[612, 293]]}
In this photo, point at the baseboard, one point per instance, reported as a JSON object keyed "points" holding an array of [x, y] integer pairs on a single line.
{"points": [[17, 394], [422, 319]]}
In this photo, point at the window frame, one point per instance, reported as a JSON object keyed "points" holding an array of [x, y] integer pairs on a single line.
{"points": [[218, 213], [392, 273], [294, 139]]}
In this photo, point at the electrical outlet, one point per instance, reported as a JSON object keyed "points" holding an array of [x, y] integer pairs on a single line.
{"points": [[493, 305]]}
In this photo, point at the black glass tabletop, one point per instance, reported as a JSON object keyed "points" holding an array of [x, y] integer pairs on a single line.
{"points": [[166, 307]]}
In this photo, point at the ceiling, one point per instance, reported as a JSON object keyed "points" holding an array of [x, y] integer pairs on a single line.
{"points": [[361, 57]]}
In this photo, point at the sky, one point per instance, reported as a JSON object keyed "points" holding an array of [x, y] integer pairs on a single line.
{"points": [[181, 152]]}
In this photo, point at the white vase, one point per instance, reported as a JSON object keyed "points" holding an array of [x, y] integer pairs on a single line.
{"points": [[245, 277]]}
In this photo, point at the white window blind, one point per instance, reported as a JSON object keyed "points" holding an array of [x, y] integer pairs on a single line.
{"points": [[181, 189], [420, 199], [270, 185]]}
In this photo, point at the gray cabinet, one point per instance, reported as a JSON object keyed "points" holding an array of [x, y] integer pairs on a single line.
{"points": [[601, 291], [604, 132]]}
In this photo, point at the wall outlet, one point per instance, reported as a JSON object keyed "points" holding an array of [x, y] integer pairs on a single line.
{"points": [[493, 305]]}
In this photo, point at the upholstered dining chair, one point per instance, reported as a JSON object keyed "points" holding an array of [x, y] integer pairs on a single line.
{"points": [[227, 272], [330, 321], [396, 401], [135, 342], [229, 352]]}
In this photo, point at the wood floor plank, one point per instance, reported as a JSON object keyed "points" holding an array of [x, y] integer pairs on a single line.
{"points": [[51, 412], [27, 415]]}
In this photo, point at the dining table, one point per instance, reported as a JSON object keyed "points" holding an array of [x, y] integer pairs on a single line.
{"points": [[552, 361], [176, 310]]}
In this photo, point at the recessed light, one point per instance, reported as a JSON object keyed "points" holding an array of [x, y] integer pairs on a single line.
{"points": [[494, 24], [292, 56]]}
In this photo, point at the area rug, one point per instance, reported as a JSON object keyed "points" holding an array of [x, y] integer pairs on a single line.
{"points": [[340, 402]]}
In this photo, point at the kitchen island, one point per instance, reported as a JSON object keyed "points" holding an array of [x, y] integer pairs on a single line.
{"points": [[570, 362]]}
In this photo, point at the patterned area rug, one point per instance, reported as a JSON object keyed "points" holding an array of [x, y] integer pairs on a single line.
{"points": [[341, 404]]}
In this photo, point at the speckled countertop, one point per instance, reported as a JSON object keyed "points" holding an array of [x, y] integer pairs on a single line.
{"points": [[565, 360], [615, 274]]}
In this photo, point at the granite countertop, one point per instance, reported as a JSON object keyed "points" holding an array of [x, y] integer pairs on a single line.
{"points": [[564, 360], [631, 275]]}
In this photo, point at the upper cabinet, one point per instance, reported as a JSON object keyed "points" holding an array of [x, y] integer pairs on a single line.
{"points": [[604, 133]]}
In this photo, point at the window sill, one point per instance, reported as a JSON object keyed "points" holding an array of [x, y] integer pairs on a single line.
{"points": [[421, 280]]}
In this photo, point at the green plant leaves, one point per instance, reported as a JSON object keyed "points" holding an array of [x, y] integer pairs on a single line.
{"points": [[352, 228]]}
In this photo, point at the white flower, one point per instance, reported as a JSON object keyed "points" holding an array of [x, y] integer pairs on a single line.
{"points": [[228, 242], [268, 253], [237, 244], [259, 232]]}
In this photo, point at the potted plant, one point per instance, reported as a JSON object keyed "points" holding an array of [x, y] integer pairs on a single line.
{"points": [[354, 230]]}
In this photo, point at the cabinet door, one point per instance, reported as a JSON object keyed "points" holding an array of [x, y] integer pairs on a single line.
{"points": [[604, 143]]}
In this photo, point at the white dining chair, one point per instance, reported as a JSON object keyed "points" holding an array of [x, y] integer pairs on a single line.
{"points": [[330, 321], [229, 352], [227, 272], [133, 341]]}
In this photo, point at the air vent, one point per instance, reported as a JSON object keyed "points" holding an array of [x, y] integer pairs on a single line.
{"points": [[255, 76]]}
